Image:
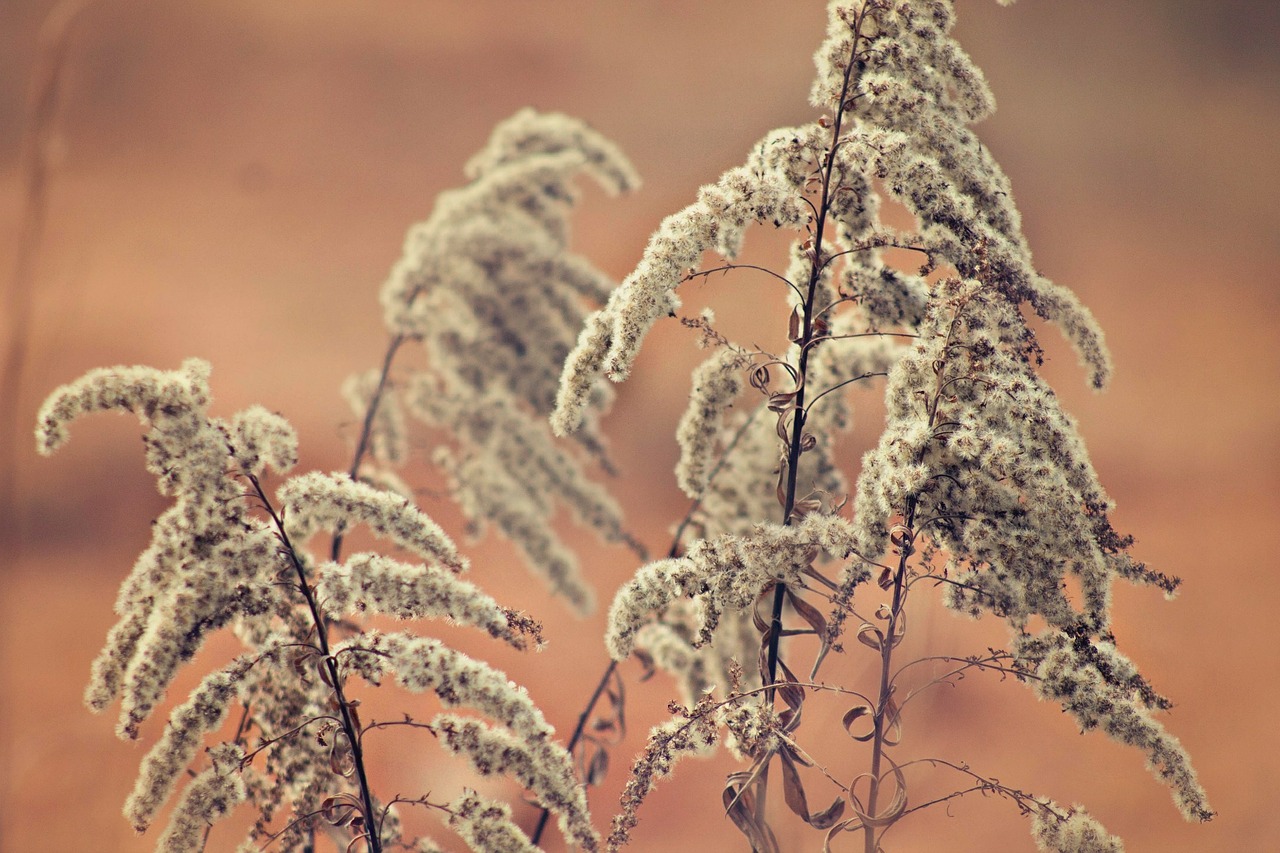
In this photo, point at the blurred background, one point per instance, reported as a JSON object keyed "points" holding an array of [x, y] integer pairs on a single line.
{"points": [[233, 180]]}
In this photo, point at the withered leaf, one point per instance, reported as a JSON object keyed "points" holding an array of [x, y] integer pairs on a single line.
{"points": [[792, 787], [597, 767], [817, 622], [341, 810], [870, 635], [857, 712], [828, 816], [739, 805]]}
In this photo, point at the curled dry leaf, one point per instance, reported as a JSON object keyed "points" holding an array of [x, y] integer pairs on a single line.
{"points": [[817, 622], [340, 810], [870, 635], [890, 813], [739, 803], [857, 712], [342, 759]]}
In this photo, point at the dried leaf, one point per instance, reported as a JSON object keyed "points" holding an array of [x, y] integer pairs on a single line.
{"points": [[341, 810], [829, 815], [782, 401], [739, 805], [792, 693], [759, 379], [817, 622], [857, 712], [766, 595], [341, 757], [322, 670], [792, 787], [806, 506], [597, 767], [794, 333], [850, 825], [870, 635], [893, 736], [648, 668]]}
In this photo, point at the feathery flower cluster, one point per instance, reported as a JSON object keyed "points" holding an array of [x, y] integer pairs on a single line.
{"points": [[978, 453], [207, 798], [1079, 833], [487, 825], [488, 286], [692, 732], [373, 583], [546, 769], [978, 462], [203, 712], [522, 748], [1102, 689], [612, 336], [215, 562], [209, 561], [333, 502], [724, 574]]}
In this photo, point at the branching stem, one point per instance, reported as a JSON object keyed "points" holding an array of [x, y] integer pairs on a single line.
{"points": [[349, 727], [795, 445]]}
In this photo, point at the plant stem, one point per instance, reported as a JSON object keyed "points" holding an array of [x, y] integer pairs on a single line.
{"points": [[349, 728], [900, 589], [885, 693], [366, 430], [577, 736], [794, 448]]}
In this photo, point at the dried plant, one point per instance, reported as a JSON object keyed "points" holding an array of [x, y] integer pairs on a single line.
{"points": [[980, 484], [980, 481], [228, 555]]}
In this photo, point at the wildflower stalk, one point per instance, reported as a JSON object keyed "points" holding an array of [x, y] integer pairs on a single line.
{"points": [[350, 728], [806, 342], [795, 445], [906, 548], [366, 430], [884, 696], [574, 738]]}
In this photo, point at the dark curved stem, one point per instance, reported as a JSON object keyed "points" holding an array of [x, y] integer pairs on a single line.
{"points": [[349, 727], [797, 425], [366, 429], [886, 679], [583, 718], [794, 448]]}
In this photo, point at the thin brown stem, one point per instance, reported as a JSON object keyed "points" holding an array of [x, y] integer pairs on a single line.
{"points": [[578, 730], [349, 727], [883, 700], [795, 445], [366, 430]]}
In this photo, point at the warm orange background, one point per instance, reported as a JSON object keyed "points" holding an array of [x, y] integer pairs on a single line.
{"points": [[235, 182]]}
